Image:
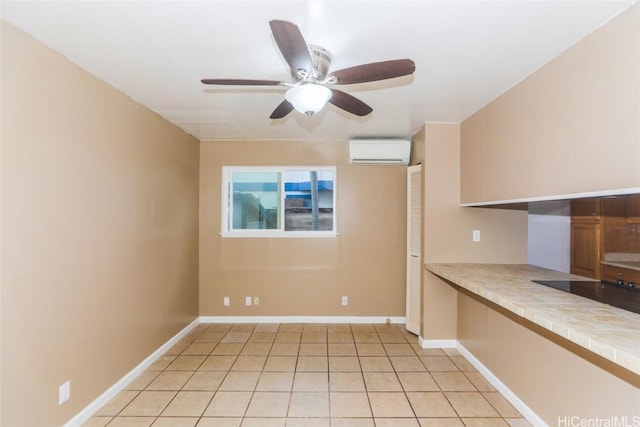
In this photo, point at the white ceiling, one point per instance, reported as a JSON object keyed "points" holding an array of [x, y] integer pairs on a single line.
{"points": [[466, 54]]}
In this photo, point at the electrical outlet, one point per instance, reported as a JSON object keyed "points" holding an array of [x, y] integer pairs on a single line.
{"points": [[226, 301], [247, 301], [64, 392], [476, 235], [256, 300], [345, 300], [388, 322]]}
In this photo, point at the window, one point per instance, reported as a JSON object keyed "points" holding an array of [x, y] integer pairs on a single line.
{"points": [[278, 201]]}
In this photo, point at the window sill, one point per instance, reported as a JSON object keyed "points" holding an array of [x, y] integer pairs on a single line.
{"points": [[280, 234]]}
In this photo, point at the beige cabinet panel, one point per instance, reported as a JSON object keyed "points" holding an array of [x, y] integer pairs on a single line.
{"points": [[572, 127], [471, 179]]}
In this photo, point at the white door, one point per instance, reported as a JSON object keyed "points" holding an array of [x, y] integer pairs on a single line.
{"points": [[414, 247]]}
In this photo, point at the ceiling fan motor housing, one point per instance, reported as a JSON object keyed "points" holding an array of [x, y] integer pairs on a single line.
{"points": [[309, 65], [321, 61]]}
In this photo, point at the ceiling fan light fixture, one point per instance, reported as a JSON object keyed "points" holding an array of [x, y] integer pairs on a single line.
{"points": [[308, 98], [309, 66]]}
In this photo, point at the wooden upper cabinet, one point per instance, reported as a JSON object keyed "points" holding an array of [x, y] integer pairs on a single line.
{"points": [[633, 207], [610, 207], [601, 226], [585, 207], [614, 207]]}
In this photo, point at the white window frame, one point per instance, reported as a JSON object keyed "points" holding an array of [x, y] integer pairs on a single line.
{"points": [[227, 205]]}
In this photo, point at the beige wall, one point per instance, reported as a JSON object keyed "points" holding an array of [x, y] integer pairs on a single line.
{"points": [[303, 276], [99, 233], [448, 229], [572, 126], [554, 377], [557, 132]]}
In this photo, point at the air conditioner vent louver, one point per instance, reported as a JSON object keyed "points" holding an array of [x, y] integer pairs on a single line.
{"points": [[379, 151], [377, 161]]}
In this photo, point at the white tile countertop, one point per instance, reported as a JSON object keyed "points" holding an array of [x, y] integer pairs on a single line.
{"points": [[608, 331], [622, 260], [631, 265]]}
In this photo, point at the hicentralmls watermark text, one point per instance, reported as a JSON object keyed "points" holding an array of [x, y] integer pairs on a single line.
{"points": [[574, 421]]}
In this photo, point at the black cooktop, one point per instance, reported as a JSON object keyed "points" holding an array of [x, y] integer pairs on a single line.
{"points": [[605, 292]]}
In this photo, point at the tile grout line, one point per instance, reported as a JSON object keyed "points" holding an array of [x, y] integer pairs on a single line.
{"points": [[326, 355]]}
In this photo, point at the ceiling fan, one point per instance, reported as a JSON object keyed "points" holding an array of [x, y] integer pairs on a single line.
{"points": [[309, 64]]}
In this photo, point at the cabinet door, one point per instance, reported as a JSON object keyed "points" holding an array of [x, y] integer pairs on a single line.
{"points": [[633, 207], [414, 248], [589, 207], [614, 207], [611, 274], [585, 250]]}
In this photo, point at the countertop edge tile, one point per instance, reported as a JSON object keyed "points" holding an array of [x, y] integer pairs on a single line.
{"points": [[611, 333]]}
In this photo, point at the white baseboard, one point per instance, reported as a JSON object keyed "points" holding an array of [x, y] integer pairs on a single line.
{"points": [[437, 343], [101, 400], [522, 407], [105, 397], [301, 319]]}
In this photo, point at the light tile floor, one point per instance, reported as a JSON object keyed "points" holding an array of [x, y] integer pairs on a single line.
{"points": [[307, 375]]}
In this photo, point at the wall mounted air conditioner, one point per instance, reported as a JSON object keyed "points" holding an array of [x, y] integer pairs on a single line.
{"points": [[379, 151]]}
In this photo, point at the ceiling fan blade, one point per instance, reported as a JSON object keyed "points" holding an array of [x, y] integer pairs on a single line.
{"points": [[375, 71], [282, 110], [241, 82], [292, 45], [349, 103]]}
